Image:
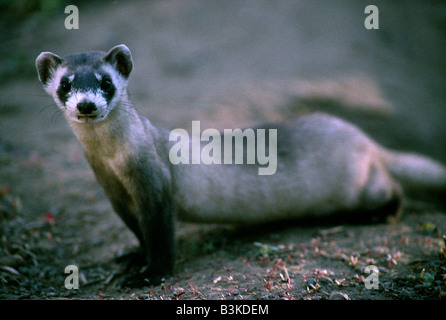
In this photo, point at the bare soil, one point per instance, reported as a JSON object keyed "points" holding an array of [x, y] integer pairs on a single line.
{"points": [[228, 64]]}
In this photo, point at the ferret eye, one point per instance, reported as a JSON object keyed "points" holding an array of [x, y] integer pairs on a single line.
{"points": [[65, 85], [106, 85]]}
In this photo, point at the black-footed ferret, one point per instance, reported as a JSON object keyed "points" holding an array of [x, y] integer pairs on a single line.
{"points": [[324, 165]]}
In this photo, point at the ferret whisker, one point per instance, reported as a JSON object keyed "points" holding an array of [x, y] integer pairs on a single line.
{"points": [[48, 106], [55, 116]]}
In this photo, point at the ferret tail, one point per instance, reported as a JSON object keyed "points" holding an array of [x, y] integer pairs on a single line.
{"points": [[416, 172]]}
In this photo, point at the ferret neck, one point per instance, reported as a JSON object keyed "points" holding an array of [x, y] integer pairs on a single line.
{"points": [[112, 134]]}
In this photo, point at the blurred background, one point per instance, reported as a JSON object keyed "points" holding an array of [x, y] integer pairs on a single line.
{"points": [[241, 61], [231, 63], [238, 62]]}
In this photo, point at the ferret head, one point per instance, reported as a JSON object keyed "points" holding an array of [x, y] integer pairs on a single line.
{"points": [[86, 86]]}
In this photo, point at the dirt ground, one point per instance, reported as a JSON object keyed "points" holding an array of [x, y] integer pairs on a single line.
{"points": [[228, 64]]}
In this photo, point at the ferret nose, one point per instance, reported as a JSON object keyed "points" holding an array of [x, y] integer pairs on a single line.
{"points": [[86, 107]]}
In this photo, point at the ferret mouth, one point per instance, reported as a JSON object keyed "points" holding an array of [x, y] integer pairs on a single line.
{"points": [[88, 117], [85, 118]]}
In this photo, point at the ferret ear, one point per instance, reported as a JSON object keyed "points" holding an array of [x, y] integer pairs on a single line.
{"points": [[46, 64], [121, 59]]}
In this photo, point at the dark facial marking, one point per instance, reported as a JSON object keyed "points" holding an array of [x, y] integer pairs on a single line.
{"points": [[64, 89], [107, 87], [86, 80]]}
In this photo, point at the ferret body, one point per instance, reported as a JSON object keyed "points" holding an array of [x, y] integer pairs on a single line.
{"points": [[325, 165]]}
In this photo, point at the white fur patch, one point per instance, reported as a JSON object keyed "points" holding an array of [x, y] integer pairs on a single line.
{"points": [[119, 82], [76, 97], [98, 76], [53, 85]]}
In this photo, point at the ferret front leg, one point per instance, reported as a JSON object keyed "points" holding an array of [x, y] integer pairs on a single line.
{"points": [[158, 231]]}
